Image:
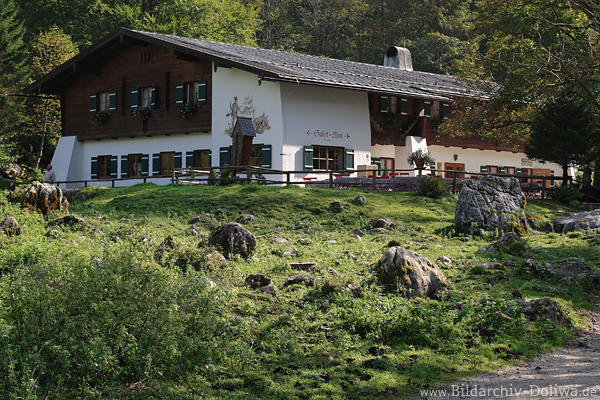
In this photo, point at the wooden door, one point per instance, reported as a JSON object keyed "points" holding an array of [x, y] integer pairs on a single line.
{"points": [[542, 172], [387, 163], [454, 167]]}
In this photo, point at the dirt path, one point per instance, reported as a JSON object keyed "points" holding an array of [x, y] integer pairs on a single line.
{"points": [[571, 373]]}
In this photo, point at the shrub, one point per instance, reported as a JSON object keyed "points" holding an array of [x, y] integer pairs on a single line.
{"points": [[566, 195], [432, 187]]}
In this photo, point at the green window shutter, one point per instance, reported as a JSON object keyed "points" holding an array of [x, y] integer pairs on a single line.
{"points": [[177, 160], [266, 155], [427, 109], [155, 164], [502, 170], [403, 106], [519, 171], [145, 164], [445, 111], [179, 93], [308, 158], [154, 97], [124, 166], [189, 159], [93, 103], [210, 158], [94, 169], [112, 101], [349, 159], [223, 156], [113, 166], [483, 169], [135, 98], [201, 92], [384, 104]]}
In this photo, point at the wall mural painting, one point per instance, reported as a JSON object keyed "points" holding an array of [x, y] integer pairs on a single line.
{"points": [[246, 109]]}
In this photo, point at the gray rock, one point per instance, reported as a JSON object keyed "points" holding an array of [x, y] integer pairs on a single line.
{"points": [[10, 226], [382, 223], [509, 243], [578, 222], [52, 233], [304, 266], [337, 206], [490, 204], [570, 270], [304, 241], [357, 237], [493, 266], [544, 308], [359, 200], [233, 239], [332, 241], [405, 271], [194, 230], [203, 219], [445, 260], [68, 220], [280, 240], [45, 198], [269, 289], [291, 253], [221, 211], [377, 231], [422, 200], [246, 218], [256, 281], [305, 279], [358, 232]]}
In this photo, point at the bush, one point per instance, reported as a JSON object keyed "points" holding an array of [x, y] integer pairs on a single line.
{"points": [[432, 187], [566, 195]]}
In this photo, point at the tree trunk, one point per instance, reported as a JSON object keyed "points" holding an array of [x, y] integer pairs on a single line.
{"points": [[41, 153], [597, 174], [565, 175]]}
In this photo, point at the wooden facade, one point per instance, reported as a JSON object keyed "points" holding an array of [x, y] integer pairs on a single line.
{"points": [[135, 65], [391, 125]]}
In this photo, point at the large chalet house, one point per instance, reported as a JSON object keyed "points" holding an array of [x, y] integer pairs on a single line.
{"points": [[139, 104]]}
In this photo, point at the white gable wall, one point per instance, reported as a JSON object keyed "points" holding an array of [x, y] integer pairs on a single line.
{"points": [[308, 109]]}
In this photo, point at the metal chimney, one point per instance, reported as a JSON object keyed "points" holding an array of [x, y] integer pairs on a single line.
{"points": [[398, 57]]}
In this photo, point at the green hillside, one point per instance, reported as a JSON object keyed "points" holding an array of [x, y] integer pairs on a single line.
{"points": [[102, 311]]}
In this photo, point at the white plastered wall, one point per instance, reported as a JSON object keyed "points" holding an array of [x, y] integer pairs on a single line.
{"points": [[323, 116]]}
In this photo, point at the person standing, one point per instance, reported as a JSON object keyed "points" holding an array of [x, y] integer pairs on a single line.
{"points": [[49, 176]]}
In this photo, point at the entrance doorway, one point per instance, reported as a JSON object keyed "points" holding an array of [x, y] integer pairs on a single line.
{"points": [[387, 163], [454, 167]]}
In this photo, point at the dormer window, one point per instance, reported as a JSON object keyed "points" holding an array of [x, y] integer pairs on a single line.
{"points": [[191, 93], [102, 104], [144, 98]]}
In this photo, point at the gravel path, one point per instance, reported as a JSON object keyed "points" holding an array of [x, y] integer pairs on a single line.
{"points": [[571, 373]]}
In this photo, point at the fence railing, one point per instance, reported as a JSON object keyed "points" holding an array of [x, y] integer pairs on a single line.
{"points": [[368, 179]]}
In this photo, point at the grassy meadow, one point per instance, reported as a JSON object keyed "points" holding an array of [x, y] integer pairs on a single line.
{"points": [[102, 311]]}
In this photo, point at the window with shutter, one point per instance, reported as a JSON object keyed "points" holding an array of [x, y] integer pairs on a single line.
{"points": [[104, 169], [178, 160], [189, 159], [308, 158], [113, 166], [124, 166], [112, 101], [266, 155], [201, 92], [179, 94], [223, 156], [93, 103], [384, 104], [403, 106], [349, 159], [156, 164], [145, 164], [483, 169], [94, 168], [445, 111], [153, 97], [427, 109], [135, 98]]}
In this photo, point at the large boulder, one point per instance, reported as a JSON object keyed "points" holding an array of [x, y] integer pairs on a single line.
{"points": [[580, 221], [45, 198], [10, 227], [490, 204], [544, 308], [406, 271], [233, 239]]}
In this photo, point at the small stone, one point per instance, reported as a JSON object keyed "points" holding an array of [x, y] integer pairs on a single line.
{"points": [[384, 223], [359, 200], [304, 266], [445, 260], [52, 233], [333, 241], [377, 231], [304, 241], [355, 289], [337, 206], [10, 227], [291, 253], [333, 272], [358, 232], [305, 279], [194, 230], [493, 266], [269, 289], [221, 211], [280, 240], [422, 200], [357, 237], [256, 281], [247, 218], [68, 220]]}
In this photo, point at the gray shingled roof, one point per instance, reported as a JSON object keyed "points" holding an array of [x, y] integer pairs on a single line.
{"points": [[302, 68]]}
